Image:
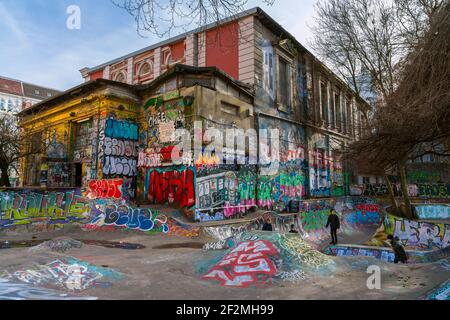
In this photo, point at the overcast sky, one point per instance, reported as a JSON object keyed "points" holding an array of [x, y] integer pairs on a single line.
{"points": [[37, 47]]}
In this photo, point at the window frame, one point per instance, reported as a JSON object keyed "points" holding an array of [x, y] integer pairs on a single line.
{"points": [[281, 56]]}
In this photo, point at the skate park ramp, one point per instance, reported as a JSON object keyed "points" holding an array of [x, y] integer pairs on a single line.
{"points": [[365, 227], [360, 218]]}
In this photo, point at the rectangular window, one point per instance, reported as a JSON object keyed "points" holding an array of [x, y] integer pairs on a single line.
{"points": [[337, 103], [332, 112], [82, 150], [349, 113], [284, 84], [324, 102], [345, 117]]}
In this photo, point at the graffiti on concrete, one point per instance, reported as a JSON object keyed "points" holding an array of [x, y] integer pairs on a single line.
{"points": [[433, 211], [418, 234], [58, 245], [292, 276], [249, 263], [384, 254], [182, 230], [23, 291], [19, 208], [298, 250], [69, 274], [123, 216], [441, 293]]}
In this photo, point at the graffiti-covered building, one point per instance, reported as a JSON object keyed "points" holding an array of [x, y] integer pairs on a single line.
{"points": [[129, 123]]}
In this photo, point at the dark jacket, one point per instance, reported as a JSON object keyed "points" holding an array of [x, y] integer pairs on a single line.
{"points": [[267, 227], [399, 251], [333, 221]]}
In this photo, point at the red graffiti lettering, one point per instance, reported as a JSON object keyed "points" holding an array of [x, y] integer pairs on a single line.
{"points": [[368, 207], [105, 189], [173, 187], [249, 263]]}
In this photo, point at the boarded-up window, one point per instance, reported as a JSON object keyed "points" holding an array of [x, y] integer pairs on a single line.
{"points": [[83, 141]]}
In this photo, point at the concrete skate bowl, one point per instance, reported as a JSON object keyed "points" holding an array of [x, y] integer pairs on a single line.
{"points": [[246, 256], [360, 218], [425, 242]]}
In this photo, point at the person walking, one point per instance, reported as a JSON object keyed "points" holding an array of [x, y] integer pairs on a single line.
{"points": [[334, 224]]}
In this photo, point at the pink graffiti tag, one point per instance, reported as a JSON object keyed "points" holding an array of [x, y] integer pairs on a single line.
{"points": [[247, 264]]}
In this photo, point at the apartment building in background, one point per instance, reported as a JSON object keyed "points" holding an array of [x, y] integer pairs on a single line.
{"points": [[15, 96]]}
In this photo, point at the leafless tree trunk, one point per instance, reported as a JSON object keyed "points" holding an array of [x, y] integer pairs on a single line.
{"points": [[391, 193], [404, 188]]}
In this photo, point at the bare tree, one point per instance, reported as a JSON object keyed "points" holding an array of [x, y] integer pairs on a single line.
{"points": [[163, 17], [379, 43], [414, 120], [15, 145], [365, 41]]}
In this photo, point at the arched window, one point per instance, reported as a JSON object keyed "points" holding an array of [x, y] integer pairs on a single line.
{"points": [[167, 58], [2, 104], [120, 77], [145, 69]]}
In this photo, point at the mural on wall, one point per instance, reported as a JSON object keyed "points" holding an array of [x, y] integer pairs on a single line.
{"points": [[21, 208], [57, 147], [339, 178], [163, 118], [289, 182], [172, 186], [120, 148], [319, 173], [59, 174], [105, 189], [59, 208], [418, 234]]}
